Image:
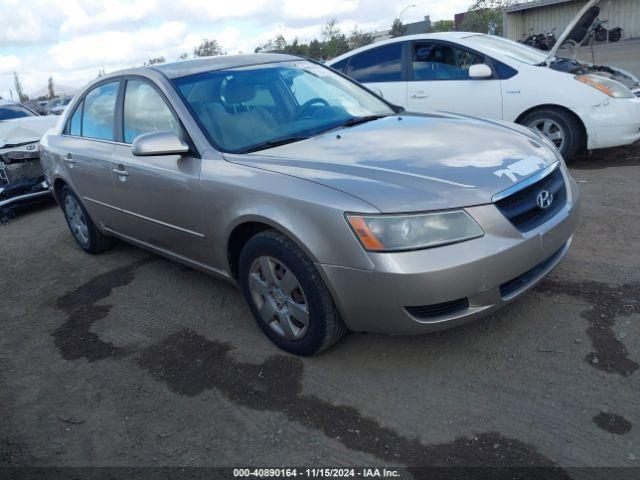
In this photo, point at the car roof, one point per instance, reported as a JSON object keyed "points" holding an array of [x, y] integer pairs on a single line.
{"points": [[222, 62], [450, 36]]}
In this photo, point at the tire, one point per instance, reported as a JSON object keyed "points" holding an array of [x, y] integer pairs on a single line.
{"points": [[551, 121], [81, 226], [278, 298]]}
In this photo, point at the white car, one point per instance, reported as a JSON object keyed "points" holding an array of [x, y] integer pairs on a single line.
{"points": [[574, 104], [21, 176]]}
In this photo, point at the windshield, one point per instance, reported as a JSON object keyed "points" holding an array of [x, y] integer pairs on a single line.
{"points": [[511, 49], [256, 107], [7, 112]]}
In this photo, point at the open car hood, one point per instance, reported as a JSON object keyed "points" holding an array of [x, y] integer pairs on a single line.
{"points": [[578, 28]]}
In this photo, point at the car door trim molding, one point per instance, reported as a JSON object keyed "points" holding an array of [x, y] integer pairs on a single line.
{"points": [[149, 219]]}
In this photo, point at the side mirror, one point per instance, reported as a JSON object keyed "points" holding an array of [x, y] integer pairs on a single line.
{"points": [[158, 143], [480, 70], [377, 91]]}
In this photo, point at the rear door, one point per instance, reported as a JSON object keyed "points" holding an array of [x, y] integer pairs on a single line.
{"points": [[86, 146], [382, 68], [158, 196], [439, 80]]}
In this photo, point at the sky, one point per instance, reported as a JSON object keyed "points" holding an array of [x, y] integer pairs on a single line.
{"points": [[72, 40]]}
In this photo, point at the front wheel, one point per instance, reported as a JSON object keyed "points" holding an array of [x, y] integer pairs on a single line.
{"points": [[287, 296], [558, 126]]}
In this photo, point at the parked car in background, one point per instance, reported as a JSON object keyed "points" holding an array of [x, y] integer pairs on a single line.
{"points": [[38, 107], [576, 105], [58, 105], [329, 207], [21, 176]]}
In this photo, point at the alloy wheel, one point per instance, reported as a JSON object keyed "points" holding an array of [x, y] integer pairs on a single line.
{"points": [[550, 129], [76, 219], [279, 297]]}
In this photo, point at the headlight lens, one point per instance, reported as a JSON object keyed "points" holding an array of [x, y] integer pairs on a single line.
{"points": [[381, 233], [605, 85]]}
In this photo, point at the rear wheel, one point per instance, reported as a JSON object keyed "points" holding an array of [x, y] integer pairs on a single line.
{"points": [[287, 296], [558, 126], [84, 231]]}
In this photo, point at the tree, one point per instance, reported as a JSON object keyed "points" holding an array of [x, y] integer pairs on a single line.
{"points": [[183, 56], [155, 61], [22, 97], [315, 50], [442, 26], [102, 72], [208, 48], [52, 92], [334, 41], [483, 13], [358, 39], [398, 29]]}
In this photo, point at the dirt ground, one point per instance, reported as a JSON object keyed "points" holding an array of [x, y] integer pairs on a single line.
{"points": [[128, 359]]}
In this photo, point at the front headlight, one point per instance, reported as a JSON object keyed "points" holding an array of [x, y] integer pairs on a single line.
{"points": [[605, 85], [383, 233]]}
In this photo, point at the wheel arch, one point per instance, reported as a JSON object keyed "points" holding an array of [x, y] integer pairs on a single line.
{"points": [[245, 228], [553, 106]]}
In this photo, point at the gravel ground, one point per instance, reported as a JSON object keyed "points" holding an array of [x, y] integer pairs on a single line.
{"points": [[128, 359]]}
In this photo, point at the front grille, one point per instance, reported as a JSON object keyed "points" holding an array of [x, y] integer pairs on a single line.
{"points": [[521, 207], [439, 309], [512, 286]]}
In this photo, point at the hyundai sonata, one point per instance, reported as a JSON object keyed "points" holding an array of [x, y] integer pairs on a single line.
{"points": [[329, 207]]}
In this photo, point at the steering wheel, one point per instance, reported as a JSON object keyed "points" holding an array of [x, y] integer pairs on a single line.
{"points": [[305, 106]]}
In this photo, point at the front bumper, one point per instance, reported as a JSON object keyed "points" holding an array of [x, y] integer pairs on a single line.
{"points": [[463, 282], [613, 123]]}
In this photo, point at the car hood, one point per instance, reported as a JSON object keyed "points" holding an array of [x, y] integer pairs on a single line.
{"points": [[578, 28], [18, 131], [413, 162]]}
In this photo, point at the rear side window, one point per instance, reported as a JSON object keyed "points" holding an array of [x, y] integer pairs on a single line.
{"points": [[74, 123], [382, 64], [145, 111], [99, 111]]}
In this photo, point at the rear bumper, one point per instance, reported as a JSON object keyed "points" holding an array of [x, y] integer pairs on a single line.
{"points": [[615, 122], [454, 284]]}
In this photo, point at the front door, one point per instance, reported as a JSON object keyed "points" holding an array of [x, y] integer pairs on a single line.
{"points": [[439, 80], [158, 196], [86, 148]]}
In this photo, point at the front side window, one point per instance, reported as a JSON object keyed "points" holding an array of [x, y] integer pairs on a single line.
{"points": [[249, 108], [145, 111], [341, 65], [435, 61], [99, 111], [383, 64], [7, 112]]}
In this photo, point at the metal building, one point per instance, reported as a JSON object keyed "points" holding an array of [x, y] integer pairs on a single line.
{"points": [[544, 15]]}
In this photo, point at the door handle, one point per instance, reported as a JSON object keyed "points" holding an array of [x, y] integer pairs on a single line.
{"points": [[419, 95], [68, 159], [120, 172]]}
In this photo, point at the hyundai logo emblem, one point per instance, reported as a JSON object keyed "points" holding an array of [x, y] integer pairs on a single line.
{"points": [[544, 199]]}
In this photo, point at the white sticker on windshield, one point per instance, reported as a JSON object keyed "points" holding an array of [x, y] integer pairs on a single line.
{"points": [[522, 168]]}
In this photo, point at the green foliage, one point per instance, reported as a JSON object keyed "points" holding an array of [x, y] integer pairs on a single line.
{"points": [[442, 26], [358, 39], [155, 61], [208, 48], [398, 29], [334, 41], [484, 12]]}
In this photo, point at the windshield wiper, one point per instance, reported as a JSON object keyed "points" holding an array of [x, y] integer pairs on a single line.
{"points": [[276, 142], [358, 120]]}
